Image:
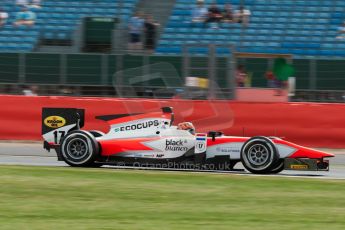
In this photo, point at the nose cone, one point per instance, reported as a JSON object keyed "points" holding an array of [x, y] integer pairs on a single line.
{"points": [[299, 151], [304, 152]]}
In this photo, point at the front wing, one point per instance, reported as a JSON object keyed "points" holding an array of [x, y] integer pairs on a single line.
{"points": [[301, 164]]}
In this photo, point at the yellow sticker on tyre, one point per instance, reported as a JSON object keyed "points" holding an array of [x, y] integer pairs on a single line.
{"points": [[54, 122]]}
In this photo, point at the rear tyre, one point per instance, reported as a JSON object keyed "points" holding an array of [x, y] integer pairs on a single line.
{"points": [[79, 149], [96, 133], [259, 155]]}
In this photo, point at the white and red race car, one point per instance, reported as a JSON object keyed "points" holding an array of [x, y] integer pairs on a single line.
{"points": [[151, 140]]}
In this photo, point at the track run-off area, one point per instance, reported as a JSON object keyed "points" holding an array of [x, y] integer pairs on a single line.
{"points": [[33, 154]]}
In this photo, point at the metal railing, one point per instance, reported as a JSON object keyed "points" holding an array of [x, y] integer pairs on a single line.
{"points": [[147, 75]]}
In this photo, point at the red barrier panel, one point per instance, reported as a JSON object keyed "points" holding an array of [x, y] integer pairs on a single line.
{"points": [[310, 124]]}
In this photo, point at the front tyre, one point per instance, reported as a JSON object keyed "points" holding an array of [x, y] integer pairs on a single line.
{"points": [[279, 167], [259, 155], [79, 149]]}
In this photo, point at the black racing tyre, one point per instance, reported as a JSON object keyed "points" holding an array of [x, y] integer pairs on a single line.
{"points": [[95, 165], [279, 167], [79, 149], [96, 133], [259, 155]]}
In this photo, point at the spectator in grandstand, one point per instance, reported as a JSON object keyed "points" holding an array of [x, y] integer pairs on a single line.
{"points": [[178, 94], [135, 24], [227, 13], [242, 16], [200, 12], [341, 31], [282, 71], [30, 91], [214, 15], [241, 76], [68, 91], [3, 17], [271, 79], [22, 2], [25, 17], [35, 4], [150, 33]]}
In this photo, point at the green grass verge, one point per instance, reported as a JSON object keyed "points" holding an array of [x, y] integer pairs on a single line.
{"points": [[69, 198]]}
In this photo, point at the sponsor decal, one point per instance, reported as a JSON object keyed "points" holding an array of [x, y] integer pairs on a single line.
{"points": [[138, 126], [160, 155], [227, 150], [200, 147], [175, 145], [299, 167], [200, 138], [200, 143], [54, 122]]}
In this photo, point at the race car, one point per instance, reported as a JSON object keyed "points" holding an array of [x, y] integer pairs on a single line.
{"points": [[150, 139]]}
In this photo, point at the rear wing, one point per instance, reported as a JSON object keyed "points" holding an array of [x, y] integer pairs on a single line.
{"points": [[57, 122]]}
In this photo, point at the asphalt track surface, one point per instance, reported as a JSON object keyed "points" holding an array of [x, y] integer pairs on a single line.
{"points": [[33, 154]]}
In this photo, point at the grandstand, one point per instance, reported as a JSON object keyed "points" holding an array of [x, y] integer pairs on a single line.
{"points": [[302, 28], [56, 20]]}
